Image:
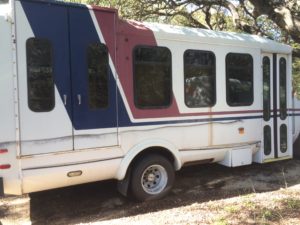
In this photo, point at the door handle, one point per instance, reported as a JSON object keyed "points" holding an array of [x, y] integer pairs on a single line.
{"points": [[65, 99], [79, 99]]}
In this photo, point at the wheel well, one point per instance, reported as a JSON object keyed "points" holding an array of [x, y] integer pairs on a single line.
{"points": [[152, 150], [124, 184]]}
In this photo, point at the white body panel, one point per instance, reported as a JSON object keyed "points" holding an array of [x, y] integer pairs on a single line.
{"points": [[35, 180], [296, 119], [84, 139], [8, 112]]}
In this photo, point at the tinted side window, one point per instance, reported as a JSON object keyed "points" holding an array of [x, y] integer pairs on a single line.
{"points": [[282, 90], [98, 68], [239, 79], [266, 88], [152, 77], [199, 78], [267, 140], [283, 138], [40, 75]]}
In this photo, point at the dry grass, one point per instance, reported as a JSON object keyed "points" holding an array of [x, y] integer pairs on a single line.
{"points": [[276, 207]]}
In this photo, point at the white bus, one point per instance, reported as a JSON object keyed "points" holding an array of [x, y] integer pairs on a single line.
{"points": [[86, 96]]}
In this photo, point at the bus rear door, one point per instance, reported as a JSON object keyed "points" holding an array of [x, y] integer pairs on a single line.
{"points": [[277, 142]]}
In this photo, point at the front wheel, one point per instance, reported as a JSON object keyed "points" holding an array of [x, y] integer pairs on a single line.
{"points": [[152, 178]]}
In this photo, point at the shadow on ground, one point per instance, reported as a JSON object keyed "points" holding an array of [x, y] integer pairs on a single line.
{"points": [[100, 201]]}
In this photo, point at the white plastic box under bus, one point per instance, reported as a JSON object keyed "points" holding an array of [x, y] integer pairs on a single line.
{"points": [[69, 143]]}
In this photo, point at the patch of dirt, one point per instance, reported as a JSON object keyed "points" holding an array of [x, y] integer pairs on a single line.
{"points": [[206, 194]]}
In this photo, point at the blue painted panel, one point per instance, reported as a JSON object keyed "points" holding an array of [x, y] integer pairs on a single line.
{"points": [[71, 30], [50, 21], [83, 33]]}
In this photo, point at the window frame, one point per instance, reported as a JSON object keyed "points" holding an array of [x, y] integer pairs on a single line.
{"points": [[87, 70], [135, 83], [215, 80], [227, 81], [53, 75]]}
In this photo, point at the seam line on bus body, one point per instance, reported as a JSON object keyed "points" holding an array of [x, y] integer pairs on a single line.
{"points": [[71, 164]]}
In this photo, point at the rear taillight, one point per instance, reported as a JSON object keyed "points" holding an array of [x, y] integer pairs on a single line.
{"points": [[4, 166], [2, 151]]}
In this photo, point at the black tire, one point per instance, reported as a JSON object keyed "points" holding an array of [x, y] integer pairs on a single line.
{"points": [[161, 168]]}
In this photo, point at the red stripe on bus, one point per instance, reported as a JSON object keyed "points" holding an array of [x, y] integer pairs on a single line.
{"points": [[130, 34]]}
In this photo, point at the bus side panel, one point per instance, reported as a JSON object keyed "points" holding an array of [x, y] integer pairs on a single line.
{"points": [[7, 131], [7, 112]]}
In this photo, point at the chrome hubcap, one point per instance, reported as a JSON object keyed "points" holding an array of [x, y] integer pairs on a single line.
{"points": [[154, 179]]}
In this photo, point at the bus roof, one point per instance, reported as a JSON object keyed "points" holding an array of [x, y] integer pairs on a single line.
{"points": [[187, 34]]}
